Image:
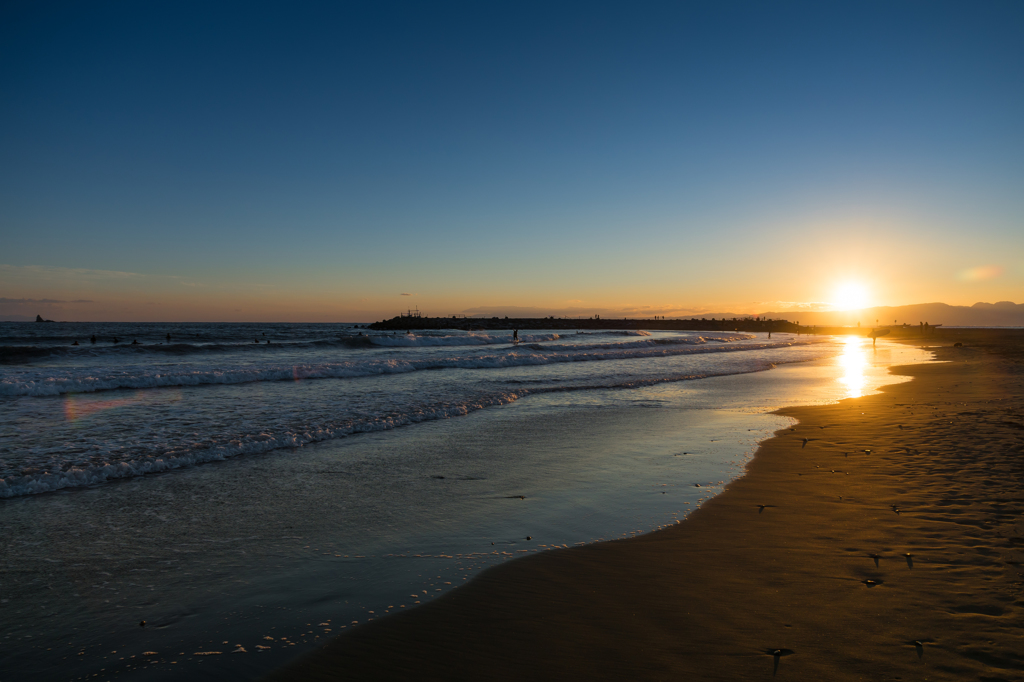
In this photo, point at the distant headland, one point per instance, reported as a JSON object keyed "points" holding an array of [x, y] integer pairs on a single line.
{"points": [[410, 322], [413, 321], [910, 317]]}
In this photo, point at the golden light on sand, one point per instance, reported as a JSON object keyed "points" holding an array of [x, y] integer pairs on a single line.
{"points": [[850, 296], [854, 361]]}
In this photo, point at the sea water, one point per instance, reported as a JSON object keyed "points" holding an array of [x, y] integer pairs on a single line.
{"points": [[253, 490]]}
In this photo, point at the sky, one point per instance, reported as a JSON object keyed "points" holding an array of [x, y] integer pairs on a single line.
{"points": [[283, 161]]}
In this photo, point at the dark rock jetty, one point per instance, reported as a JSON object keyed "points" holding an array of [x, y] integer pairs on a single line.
{"points": [[412, 323]]}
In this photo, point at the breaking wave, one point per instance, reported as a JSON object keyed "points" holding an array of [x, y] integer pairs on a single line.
{"points": [[35, 482], [72, 381]]}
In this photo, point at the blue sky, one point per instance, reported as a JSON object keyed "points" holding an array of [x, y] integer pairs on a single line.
{"points": [[315, 161]]}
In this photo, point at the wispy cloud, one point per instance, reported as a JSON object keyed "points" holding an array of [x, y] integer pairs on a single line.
{"points": [[15, 306], [749, 308], [50, 272], [405, 294], [793, 306], [980, 273], [579, 311]]}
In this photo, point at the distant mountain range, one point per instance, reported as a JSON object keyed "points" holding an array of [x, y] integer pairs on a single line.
{"points": [[1001, 314]]}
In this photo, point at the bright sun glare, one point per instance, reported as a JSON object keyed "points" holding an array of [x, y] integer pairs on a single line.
{"points": [[850, 296], [854, 362]]}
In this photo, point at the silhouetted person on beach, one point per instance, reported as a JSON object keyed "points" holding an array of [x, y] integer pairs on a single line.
{"points": [[515, 336]]}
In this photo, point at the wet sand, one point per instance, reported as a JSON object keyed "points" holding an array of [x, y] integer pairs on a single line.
{"points": [[890, 546]]}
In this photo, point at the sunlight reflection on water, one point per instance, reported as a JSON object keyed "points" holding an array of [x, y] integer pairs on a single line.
{"points": [[854, 361]]}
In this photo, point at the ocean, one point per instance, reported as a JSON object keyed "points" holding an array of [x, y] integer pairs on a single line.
{"points": [[215, 499]]}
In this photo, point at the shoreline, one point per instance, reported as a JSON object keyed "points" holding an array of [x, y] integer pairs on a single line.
{"points": [[589, 466], [716, 594]]}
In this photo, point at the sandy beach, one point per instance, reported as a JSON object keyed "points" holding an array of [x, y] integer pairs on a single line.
{"points": [[301, 544], [471, 341], [879, 538]]}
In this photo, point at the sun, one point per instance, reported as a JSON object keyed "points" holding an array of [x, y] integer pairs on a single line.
{"points": [[850, 296]]}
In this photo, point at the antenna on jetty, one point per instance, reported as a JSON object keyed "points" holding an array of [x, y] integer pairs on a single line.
{"points": [[412, 313]]}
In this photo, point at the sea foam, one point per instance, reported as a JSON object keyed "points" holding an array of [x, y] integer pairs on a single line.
{"points": [[29, 383], [55, 479]]}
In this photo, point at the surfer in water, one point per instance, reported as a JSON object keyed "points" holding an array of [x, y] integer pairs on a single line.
{"points": [[515, 336]]}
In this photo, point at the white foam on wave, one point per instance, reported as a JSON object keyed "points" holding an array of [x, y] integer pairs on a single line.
{"points": [[201, 453], [70, 382], [90, 475], [616, 332], [651, 343], [417, 341]]}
